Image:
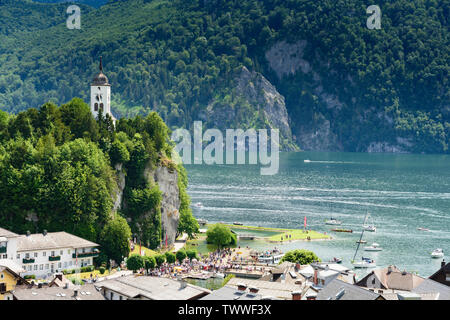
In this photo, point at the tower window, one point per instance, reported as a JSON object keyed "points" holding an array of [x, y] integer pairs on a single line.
{"points": [[101, 106], [96, 107]]}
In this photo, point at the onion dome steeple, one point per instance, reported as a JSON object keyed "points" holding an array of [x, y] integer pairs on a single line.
{"points": [[100, 79]]}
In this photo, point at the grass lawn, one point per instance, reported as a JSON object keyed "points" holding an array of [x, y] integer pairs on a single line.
{"points": [[87, 275], [298, 235], [147, 252]]}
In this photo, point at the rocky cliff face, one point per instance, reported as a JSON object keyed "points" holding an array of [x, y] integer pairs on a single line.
{"points": [[257, 103], [167, 181]]}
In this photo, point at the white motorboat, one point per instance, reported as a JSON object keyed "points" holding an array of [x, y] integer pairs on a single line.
{"points": [[437, 253], [273, 256], [306, 160], [333, 222], [219, 275], [423, 229], [364, 263], [373, 247]]}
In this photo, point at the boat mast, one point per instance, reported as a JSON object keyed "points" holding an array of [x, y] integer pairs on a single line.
{"points": [[359, 242]]}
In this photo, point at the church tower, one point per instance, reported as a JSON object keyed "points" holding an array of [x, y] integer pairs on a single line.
{"points": [[101, 94]]}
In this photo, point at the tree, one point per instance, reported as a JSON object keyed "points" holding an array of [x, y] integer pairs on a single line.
{"points": [[170, 257], [220, 235], [115, 238], [149, 262], [301, 256], [160, 259], [192, 254], [135, 262], [181, 255]]}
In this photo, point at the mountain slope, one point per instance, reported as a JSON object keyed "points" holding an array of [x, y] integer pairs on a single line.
{"points": [[345, 87]]}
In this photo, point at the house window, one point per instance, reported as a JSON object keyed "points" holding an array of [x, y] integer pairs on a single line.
{"points": [[46, 266], [18, 256], [41, 267], [65, 264], [53, 253], [96, 107], [5, 256], [44, 253], [27, 256], [61, 253], [70, 263], [59, 265], [35, 267], [35, 254], [68, 251], [2, 276], [29, 268]]}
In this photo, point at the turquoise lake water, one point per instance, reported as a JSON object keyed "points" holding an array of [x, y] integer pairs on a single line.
{"points": [[401, 192]]}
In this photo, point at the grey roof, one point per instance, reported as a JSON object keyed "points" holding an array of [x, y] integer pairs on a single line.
{"points": [[85, 292], [230, 293], [268, 288], [153, 288], [431, 286], [7, 234], [348, 292], [52, 240], [11, 265]]}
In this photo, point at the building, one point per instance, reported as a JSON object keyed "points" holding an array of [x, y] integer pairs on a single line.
{"points": [[101, 94], [268, 289], [230, 293], [55, 293], [443, 274], [9, 278], [43, 254], [340, 290], [149, 288], [394, 284]]}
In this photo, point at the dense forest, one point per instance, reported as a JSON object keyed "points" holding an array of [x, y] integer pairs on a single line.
{"points": [[58, 172], [181, 57]]}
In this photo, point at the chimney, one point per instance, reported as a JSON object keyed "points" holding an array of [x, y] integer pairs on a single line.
{"points": [[311, 297], [241, 286], [44, 233], [296, 295], [253, 289], [389, 269], [75, 292], [315, 276]]}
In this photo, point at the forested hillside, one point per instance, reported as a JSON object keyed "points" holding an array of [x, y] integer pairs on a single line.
{"points": [[60, 171], [345, 87]]}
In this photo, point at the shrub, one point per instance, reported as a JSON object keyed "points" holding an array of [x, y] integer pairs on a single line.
{"points": [[31, 276], [102, 270], [181, 255], [220, 235]]}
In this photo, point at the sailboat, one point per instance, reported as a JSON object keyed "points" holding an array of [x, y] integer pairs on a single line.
{"points": [[369, 227], [365, 262]]}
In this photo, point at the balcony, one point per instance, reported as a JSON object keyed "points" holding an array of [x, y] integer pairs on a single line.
{"points": [[25, 260], [54, 258], [85, 255], [2, 249]]}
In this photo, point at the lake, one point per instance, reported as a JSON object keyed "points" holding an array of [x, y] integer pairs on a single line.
{"points": [[402, 192]]}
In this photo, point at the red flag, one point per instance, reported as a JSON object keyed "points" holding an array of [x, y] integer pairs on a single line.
{"points": [[304, 223]]}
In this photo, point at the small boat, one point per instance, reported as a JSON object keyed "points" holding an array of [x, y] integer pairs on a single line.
{"points": [[423, 229], [373, 247], [370, 228], [238, 223], [364, 263], [273, 256], [202, 222], [336, 260], [342, 230], [306, 160], [333, 221], [199, 205], [437, 253], [361, 241]]}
